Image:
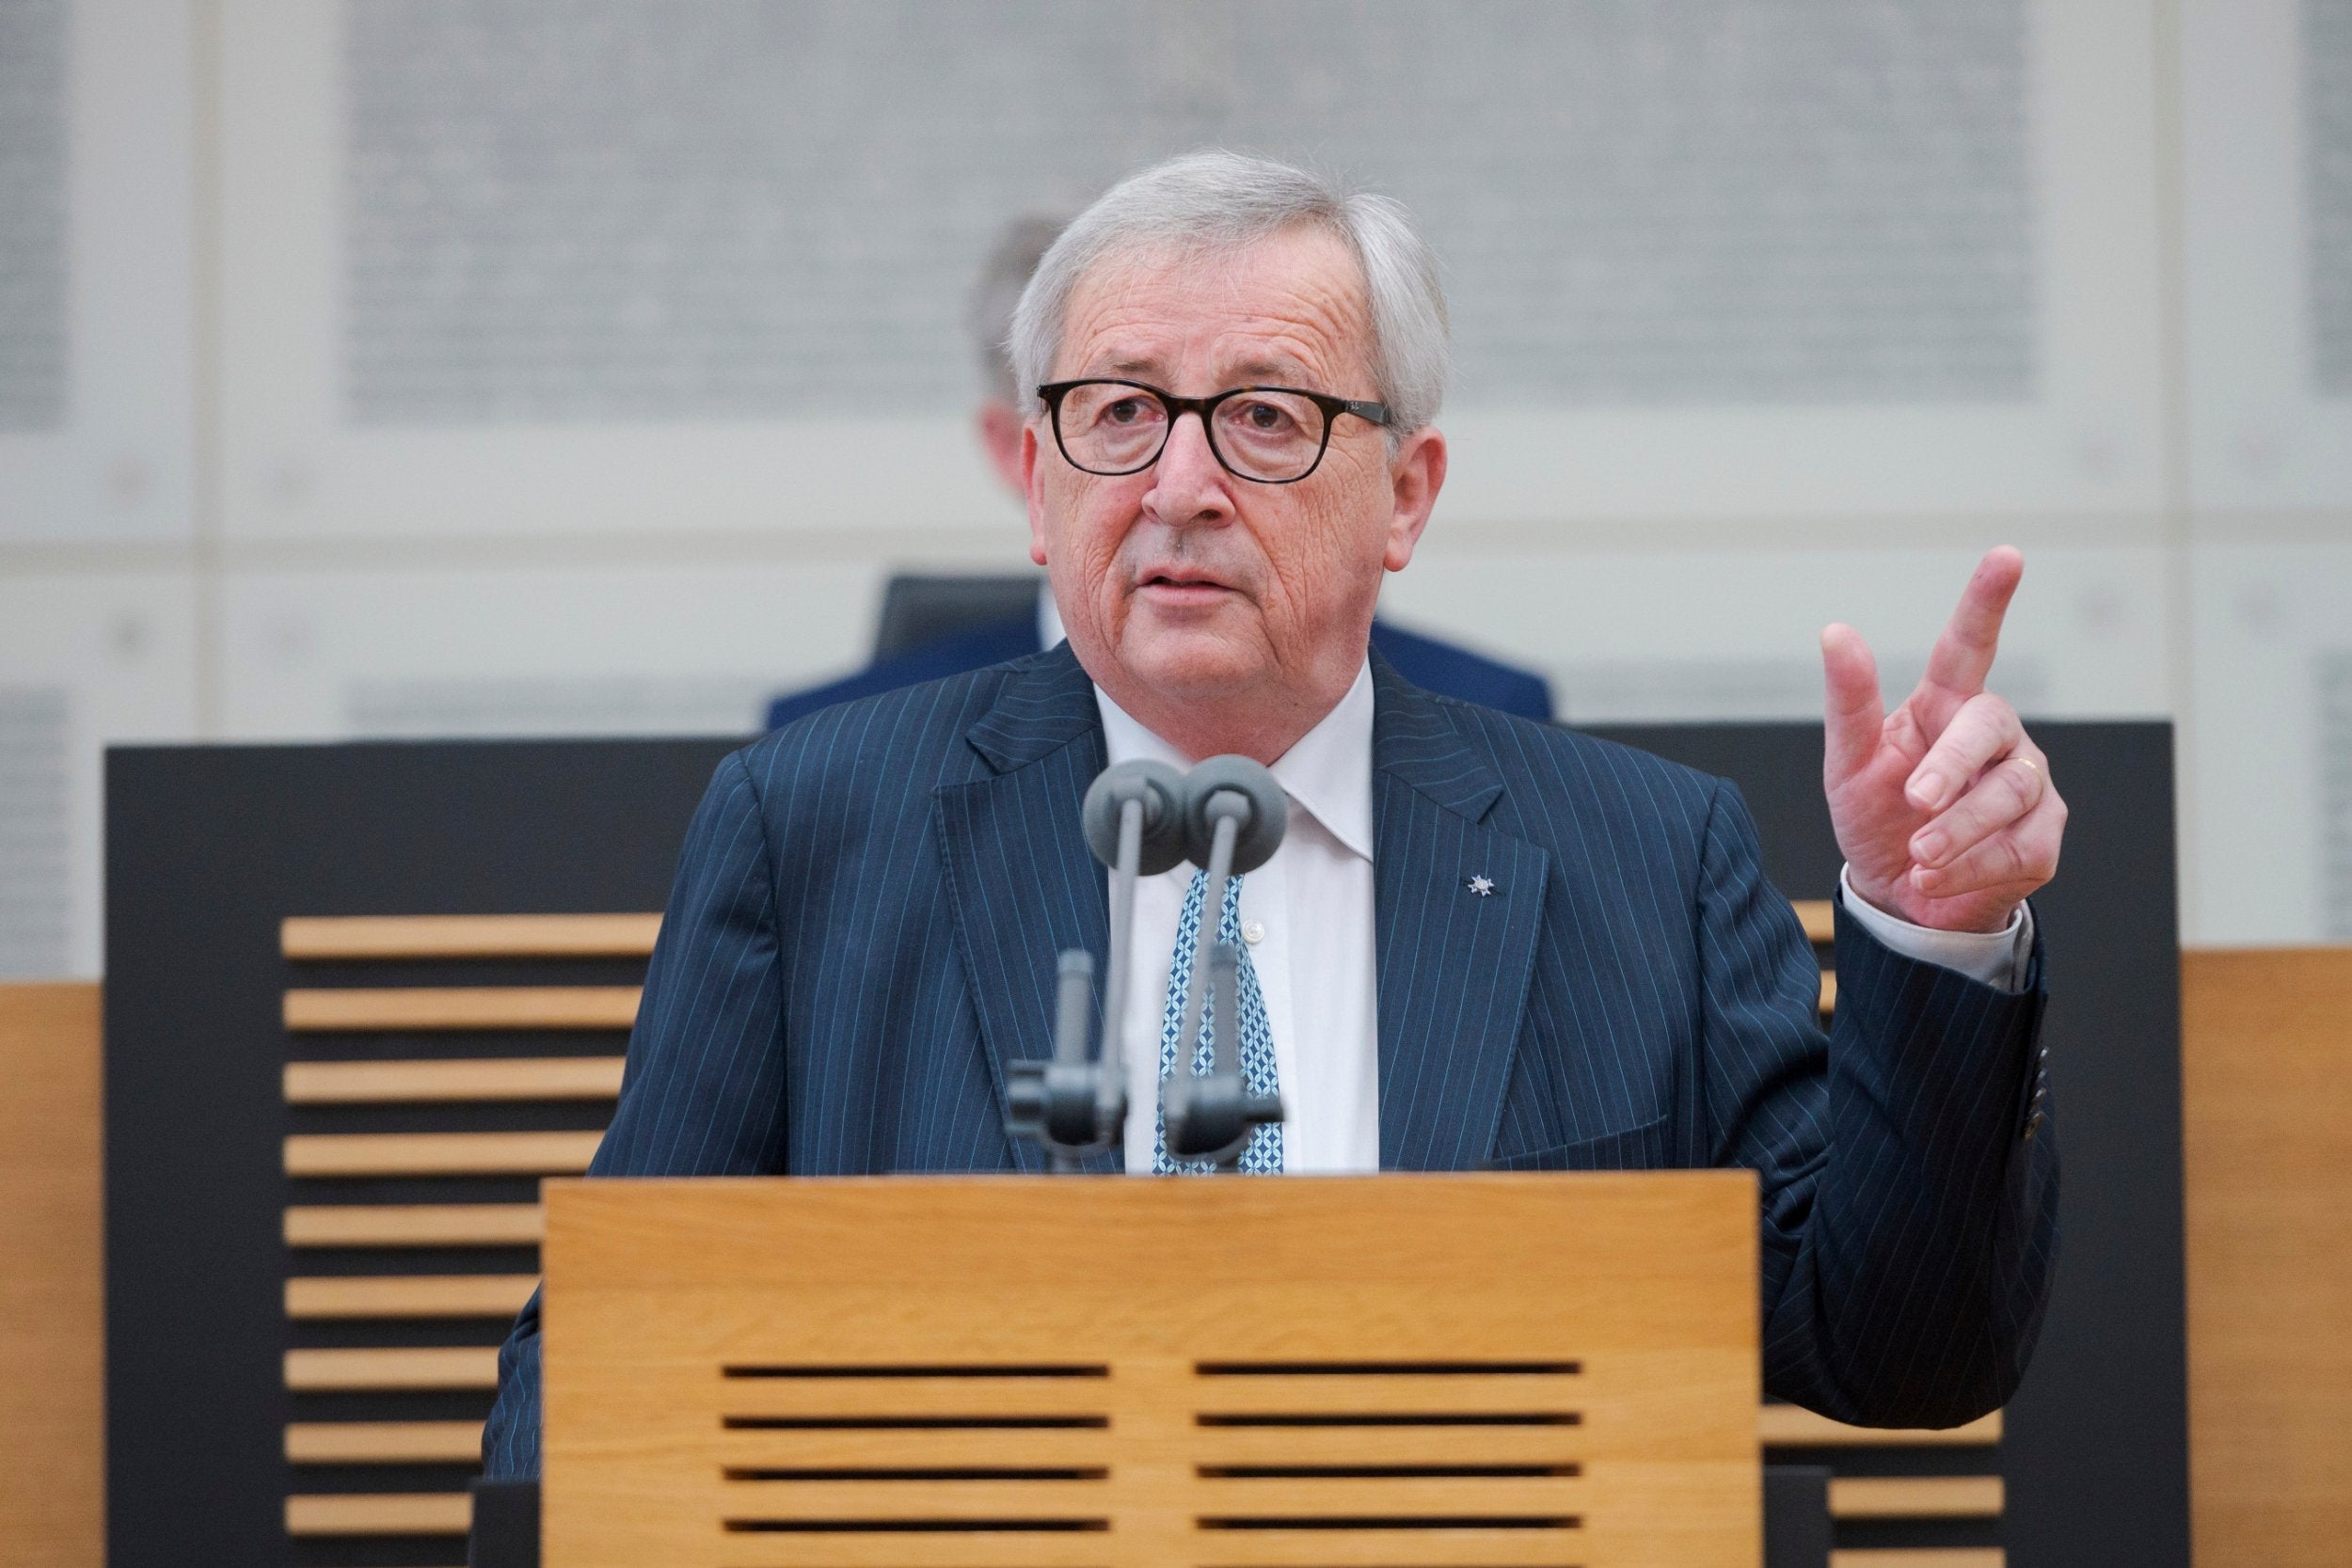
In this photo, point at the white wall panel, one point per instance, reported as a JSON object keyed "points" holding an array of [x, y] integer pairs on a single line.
{"points": [[2273, 759], [1660, 524], [542, 649], [2265, 432], [85, 660], [1734, 633], [2084, 439], [115, 460]]}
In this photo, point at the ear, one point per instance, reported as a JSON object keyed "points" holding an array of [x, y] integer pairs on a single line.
{"points": [[1415, 477], [1033, 486], [999, 424]]}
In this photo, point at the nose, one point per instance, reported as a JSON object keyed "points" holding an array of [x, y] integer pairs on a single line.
{"points": [[1188, 483]]}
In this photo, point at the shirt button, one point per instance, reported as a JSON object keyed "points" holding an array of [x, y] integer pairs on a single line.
{"points": [[1254, 931]]}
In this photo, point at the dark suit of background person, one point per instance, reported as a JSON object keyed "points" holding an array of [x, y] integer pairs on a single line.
{"points": [[1427, 661], [869, 902]]}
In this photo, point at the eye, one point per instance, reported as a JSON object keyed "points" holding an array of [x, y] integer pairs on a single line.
{"points": [[1124, 411], [1265, 418]]}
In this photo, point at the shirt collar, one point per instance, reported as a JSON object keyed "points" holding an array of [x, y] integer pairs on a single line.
{"points": [[1327, 772]]}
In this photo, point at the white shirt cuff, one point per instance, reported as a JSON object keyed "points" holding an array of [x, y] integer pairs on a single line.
{"points": [[1997, 958]]}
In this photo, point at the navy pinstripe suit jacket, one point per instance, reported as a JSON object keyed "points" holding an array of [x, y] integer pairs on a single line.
{"points": [[869, 902]]}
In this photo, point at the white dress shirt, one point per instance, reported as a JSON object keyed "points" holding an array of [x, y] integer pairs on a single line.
{"points": [[1307, 925]]}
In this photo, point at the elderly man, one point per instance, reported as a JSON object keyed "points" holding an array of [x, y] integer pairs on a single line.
{"points": [[999, 422], [1484, 944]]}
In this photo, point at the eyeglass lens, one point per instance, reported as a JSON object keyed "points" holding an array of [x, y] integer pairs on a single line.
{"points": [[1106, 428]]}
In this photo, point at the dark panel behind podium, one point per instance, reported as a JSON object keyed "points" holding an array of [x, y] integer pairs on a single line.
{"points": [[208, 847], [2096, 1446]]}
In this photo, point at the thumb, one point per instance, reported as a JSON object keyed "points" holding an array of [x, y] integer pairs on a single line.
{"points": [[1853, 717]]}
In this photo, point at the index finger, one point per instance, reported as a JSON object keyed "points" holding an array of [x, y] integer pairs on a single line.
{"points": [[1963, 655]]}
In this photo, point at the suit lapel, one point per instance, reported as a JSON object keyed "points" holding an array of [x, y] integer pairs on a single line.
{"points": [[1453, 962], [1020, 880]]}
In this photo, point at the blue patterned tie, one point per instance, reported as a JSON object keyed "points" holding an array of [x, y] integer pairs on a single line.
{"points": [[1262, 1154]]}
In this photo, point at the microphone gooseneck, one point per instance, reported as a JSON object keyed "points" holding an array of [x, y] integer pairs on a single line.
{"points": [[1234, 818], [1134, 819], [1133, 822]]}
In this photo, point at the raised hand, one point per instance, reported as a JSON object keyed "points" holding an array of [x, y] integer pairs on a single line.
{"points": [[1944, 808]]}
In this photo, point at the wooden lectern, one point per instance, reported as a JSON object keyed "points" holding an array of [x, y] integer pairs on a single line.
{"points": [[1400, 1372]]}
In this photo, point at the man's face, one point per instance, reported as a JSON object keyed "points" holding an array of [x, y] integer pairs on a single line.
{"points": [[1185, 583]]}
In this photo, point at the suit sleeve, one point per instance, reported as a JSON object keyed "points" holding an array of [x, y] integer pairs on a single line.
{"points": [[702, 1094], [1908, 1163]]}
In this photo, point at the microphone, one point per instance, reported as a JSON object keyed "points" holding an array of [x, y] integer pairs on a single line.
{"points": [[1133, 823], [1234, 814], [1134, 819]]}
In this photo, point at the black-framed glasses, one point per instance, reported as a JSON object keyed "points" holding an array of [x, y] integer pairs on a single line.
{"points": [[1267, 435]]}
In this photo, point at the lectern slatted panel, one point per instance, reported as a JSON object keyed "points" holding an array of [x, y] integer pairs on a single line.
{"points": [[919, 1550], [837, 1402], [1470, 1399], [883, 1505], [1288, 1402], [1367, 1447], [1339, 1411], [1436, 1548], [1307, 1500], [750, 1452], [312, 938], [1106, 1549], [452, 1082], [1818, 918], [431, 1007], [1918, 1557]]}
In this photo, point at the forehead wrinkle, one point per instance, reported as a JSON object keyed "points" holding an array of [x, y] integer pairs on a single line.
{"points": [[1138, 315], [1254, 366]]}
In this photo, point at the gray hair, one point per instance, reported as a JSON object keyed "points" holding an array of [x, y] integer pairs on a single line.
{"points": [[1222, 201]]}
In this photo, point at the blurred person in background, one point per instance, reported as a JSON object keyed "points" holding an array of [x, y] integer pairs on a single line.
{"points": [[1427, 661]]}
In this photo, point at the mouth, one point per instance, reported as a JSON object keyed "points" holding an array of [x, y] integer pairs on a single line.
{"points": [[1182, 588], [1179, 585]]}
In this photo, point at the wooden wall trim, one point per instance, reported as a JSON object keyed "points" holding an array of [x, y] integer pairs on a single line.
{"points": [[382, 1442], [477, 1080], [468, 936], [414, 1224], [379, 1514], [1792, 1426], [403, 1367], [462, 1007], [362, 1154], [1916, 1497], [2267, 1108], [52, 1305], [409, 1295]]}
